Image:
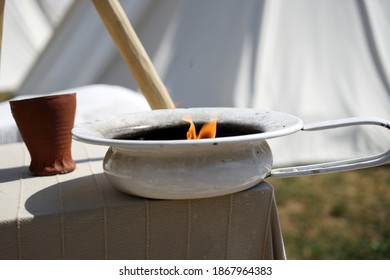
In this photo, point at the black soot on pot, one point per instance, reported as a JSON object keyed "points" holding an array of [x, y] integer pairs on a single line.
{"points": [[179, 131]]}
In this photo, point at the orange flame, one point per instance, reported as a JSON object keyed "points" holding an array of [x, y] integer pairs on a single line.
{"points": [[208, 130]]}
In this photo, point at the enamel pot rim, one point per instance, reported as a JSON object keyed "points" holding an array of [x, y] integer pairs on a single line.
{"points": [[272, 124]]}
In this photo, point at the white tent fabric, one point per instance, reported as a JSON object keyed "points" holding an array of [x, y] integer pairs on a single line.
{"points": [[27, 27], [317, 60], [26, 31]]}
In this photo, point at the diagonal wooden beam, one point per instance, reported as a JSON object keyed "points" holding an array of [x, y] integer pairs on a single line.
{"points": [[134, 54]]}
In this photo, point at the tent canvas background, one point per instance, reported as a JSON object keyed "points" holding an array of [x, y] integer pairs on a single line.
{"points": [[317, 60]]}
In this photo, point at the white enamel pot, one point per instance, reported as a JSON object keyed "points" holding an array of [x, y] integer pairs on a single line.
{"points": [[148, 154]]}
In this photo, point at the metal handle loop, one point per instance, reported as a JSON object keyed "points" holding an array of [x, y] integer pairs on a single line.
{"points": [[335, 166]]}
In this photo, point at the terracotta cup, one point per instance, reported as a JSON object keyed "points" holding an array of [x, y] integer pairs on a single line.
{"points": [[45, 125]]}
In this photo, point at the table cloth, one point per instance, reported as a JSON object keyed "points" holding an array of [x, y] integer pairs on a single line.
{"points": [[80, 215]]}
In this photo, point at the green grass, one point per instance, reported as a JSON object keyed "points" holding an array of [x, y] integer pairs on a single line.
{"points": [[336, 216]]}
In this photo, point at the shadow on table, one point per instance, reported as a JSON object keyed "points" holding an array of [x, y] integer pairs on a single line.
{"points": [[13, 174], [77, 195], [22, 172]]}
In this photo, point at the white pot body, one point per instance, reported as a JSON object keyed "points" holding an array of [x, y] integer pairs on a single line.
{"points": [[186, 172], [187, 169]]}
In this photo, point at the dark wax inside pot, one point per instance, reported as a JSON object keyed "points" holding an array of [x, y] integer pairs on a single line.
{"points": [[179, 131]]}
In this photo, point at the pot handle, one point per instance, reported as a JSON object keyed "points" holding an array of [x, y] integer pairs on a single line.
{"points": [[335, 166]]}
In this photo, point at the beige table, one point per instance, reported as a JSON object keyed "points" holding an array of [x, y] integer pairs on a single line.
{"points": [[81, 216]]}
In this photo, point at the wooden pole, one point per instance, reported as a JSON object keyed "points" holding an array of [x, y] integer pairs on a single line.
{"points": [[134, 54]]}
